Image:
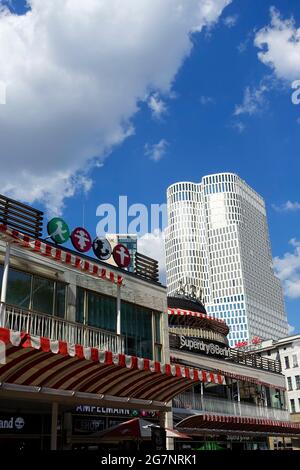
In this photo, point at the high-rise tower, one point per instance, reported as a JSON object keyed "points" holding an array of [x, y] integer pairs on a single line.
{"points": [[218, 241]]}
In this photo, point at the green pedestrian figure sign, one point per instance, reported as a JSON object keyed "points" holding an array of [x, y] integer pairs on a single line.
{"points": [[58, 230]]}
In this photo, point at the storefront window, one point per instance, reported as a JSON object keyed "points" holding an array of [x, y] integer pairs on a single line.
{"points": [[248, 392], [102, 311], [96, 310], [157, 326], [214, 390], [18, 288], [37, 293], [60, 300], [136, 326], [276, 398], [80, 305], [42, 295]]}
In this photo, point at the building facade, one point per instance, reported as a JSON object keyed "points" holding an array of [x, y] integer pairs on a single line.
{"points": [[247, 409], [76, 333], [287, 351], [218, 241]]}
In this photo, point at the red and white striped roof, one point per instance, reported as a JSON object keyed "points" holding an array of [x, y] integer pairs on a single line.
{"points": [[186, 313], [239, 424], [41, 362], [59, 255], [219, 324]]}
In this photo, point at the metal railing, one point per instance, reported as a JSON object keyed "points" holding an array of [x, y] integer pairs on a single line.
{"points": [[239, 357], [196, 403], [55, 328], [254, 360]]}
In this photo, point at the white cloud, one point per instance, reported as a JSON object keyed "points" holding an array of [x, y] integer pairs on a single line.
{"points": [[157, 106], [230, 21], [153, 245], [279, 43], [254, 100], [75, 72], [204, 100], [239, 126], [243, 46], [287, 206], [156, 151], [291, 329], [287, 269]]}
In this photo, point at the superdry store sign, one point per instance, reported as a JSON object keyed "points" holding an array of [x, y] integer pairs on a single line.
{"points": [[199, 346], [59, 232]]}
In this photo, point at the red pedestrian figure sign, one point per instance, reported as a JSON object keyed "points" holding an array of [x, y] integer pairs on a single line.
{"points": [[121, 256], [81, 239]]}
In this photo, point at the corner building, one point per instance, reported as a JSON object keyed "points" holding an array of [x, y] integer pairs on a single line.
{"points": [[218, 241], [246, 407], [83, 345]]}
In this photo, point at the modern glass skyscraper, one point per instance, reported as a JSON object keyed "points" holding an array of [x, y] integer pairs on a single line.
{"points": [[218, 241]]}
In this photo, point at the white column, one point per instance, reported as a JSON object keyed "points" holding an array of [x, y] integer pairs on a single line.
{"points": [[54, 416], [118, 310], [201, 396], [166, 421], [239, 397], [238, 391], [4, 285]]}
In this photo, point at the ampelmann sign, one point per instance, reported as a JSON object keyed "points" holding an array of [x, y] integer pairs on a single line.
{"points": [[200, 346]]}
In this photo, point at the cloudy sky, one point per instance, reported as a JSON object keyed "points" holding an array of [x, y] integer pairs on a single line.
{"points": [[125, 97]]}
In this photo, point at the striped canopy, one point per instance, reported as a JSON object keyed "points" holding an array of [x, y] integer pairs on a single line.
{"points": [[56, 365]]}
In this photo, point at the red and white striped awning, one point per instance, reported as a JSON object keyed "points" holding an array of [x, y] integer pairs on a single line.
{"points": [[253, 380], [209, 422], [41, 362], [242, 378], [189, 313], [203, 318], [58, 254]]}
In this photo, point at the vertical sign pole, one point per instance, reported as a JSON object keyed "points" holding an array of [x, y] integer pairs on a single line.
{"points": [[119, 339], [4, 286]]}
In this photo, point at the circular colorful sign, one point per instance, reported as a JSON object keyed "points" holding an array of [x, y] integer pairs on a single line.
{"points": [[81, 239], [19, 423], [58, 230], [121, 256], [102, 248]]}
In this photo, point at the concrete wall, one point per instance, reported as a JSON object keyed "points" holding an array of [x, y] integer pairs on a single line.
{"points": [[134, 289]]}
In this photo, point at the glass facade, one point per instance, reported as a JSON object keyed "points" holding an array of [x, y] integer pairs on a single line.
{"points": [[140, 326], [140, 336], [18, 288], [130, 241], [29, 291], [218, 241], [99, 311], [42, 295], [136, 326]]}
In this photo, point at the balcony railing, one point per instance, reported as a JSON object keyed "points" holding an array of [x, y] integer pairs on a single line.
{"points": [[56, 328], [196, 403], [254, 360], [240, 357]]}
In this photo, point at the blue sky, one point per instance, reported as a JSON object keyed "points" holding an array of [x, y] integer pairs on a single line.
{"points": [[221, 108]]}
